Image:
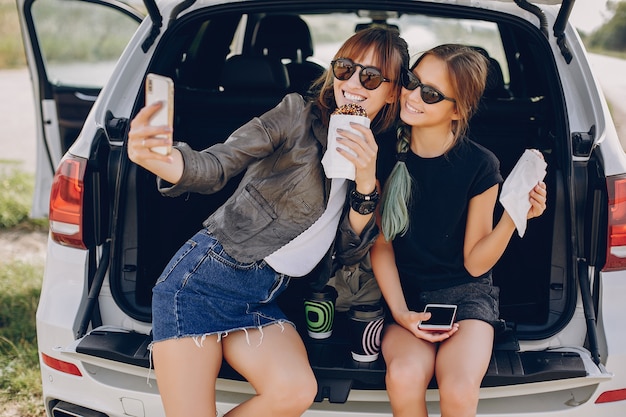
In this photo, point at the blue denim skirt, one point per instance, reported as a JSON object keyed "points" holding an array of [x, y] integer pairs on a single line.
{"points": [[203, 291]]}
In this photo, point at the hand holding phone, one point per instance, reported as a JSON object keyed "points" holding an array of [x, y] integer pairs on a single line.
{"points": [[441, 318], [161, 88]]}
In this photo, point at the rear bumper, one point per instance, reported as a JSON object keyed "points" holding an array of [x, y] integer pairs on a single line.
{"points": [[120, 389], [122, 398]]}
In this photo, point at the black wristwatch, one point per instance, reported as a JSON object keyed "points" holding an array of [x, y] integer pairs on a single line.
{"points": [[364, 203]]}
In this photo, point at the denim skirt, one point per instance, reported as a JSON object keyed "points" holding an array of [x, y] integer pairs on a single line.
{"points": [[203, 291]]}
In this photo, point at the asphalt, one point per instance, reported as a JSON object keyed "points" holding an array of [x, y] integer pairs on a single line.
{"points": [[17, 120]]}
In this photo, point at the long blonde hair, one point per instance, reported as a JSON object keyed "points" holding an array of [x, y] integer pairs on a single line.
{"points": [[467, 69]]}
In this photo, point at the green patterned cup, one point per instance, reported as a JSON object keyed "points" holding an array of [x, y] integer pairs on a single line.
{"points": [[319, 310]]}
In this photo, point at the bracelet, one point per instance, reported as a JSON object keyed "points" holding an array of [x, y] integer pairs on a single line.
{"points": [[364, 203]]}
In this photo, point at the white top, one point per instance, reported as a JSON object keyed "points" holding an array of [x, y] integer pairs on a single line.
{"points": [[298, 257]]}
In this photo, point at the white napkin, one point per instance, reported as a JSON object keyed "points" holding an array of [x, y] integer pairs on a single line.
{"points": [[529, 170], [335, 164]]}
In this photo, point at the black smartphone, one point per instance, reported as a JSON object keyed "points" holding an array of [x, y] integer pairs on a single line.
{"points": [[441, 317]]}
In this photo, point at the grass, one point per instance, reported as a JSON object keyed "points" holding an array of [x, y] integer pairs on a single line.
{"points": [[16, 190], [20, 380], [614, 54]]}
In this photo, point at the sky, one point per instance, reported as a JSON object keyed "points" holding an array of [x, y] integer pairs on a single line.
{"points": [[588, 15]]}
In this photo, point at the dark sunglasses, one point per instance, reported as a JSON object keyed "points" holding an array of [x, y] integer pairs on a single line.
{"points": [[371, 77], [430, 95]]}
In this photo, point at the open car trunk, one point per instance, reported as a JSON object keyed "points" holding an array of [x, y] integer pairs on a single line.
{"points": [[537, 275]]}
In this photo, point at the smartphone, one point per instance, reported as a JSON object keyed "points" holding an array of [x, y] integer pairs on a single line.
{"points": [[161, 88], [441, 317]]}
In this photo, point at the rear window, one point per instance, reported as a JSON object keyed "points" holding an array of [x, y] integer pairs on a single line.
{"points": [[421, 33]]}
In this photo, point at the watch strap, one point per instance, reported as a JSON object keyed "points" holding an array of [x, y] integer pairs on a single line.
{"points": [[364, 203]]}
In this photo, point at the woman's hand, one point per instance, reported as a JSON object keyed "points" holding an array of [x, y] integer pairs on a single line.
{"points": [[537, 197], [365, 151], [142, 137], [410, 319]]}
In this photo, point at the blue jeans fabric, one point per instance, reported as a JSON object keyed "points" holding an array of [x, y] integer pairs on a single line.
{"points": [[203, 291]]}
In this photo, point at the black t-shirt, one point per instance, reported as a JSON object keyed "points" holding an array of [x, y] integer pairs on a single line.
{"points": [[430, 255]]}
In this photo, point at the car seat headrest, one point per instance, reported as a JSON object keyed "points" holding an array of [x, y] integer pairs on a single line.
{"points": [[254, 73], [283, 36], [495, 81], [494, 87]]}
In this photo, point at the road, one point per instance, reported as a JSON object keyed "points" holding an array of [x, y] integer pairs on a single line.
{"points": [[17, 118], [610, 72], [17, 135]]}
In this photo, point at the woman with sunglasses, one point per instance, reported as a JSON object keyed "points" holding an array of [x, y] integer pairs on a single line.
{"points": [[216, 299], [438, 243]]}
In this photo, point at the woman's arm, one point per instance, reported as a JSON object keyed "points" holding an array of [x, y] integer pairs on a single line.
{"points": [[365, 151], [386, 272], [483, 245]]}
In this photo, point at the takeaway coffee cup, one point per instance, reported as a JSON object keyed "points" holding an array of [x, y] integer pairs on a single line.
{"points": [[335, 164], [366, 326], [319, 310]]}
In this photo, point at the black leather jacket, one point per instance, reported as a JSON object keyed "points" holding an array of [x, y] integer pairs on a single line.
{"points": [[283, 192]]}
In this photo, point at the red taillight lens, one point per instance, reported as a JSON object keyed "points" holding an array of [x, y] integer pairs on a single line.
{"points": [[66, 202], [612, 396], [59, 365], [616, 245]]}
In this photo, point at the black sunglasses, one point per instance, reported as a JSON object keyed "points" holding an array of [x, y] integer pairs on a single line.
{"points": [[430, 95], [371, 77]]}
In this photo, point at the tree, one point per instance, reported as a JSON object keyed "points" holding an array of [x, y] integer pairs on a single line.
{"points": [[612, 35]]}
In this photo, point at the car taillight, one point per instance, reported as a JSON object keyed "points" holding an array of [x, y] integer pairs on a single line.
{"points": [[66, 202], [612, 396], [616, 245], [59, 365]]}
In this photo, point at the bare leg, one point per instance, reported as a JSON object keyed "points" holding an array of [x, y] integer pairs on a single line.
{"points": [[410, 367], [461, 364], [186, 374], [276, 364]]}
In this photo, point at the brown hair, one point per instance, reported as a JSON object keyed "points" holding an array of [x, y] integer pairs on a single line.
{"points": [[391, 55], [467, 69]]}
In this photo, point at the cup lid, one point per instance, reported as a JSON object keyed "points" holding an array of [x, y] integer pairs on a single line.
{"points": [[325, 294], [366, 311]]}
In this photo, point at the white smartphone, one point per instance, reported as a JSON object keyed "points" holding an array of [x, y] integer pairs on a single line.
{"points": [[161, 88], [441, 317]]}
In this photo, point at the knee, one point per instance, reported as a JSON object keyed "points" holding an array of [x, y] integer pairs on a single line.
{"points": [[407, 373], [296, 393], [307, 390], [459, 393]]}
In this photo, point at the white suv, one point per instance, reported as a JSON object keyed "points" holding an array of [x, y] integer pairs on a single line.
{"points": [[561, 350]]}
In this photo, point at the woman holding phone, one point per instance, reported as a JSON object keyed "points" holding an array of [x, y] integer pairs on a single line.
{"points": [[216, 299], [438, 243]]}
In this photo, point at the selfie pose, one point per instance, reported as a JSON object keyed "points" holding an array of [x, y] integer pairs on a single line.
{"points": [[438, 244], [216, 299]]}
